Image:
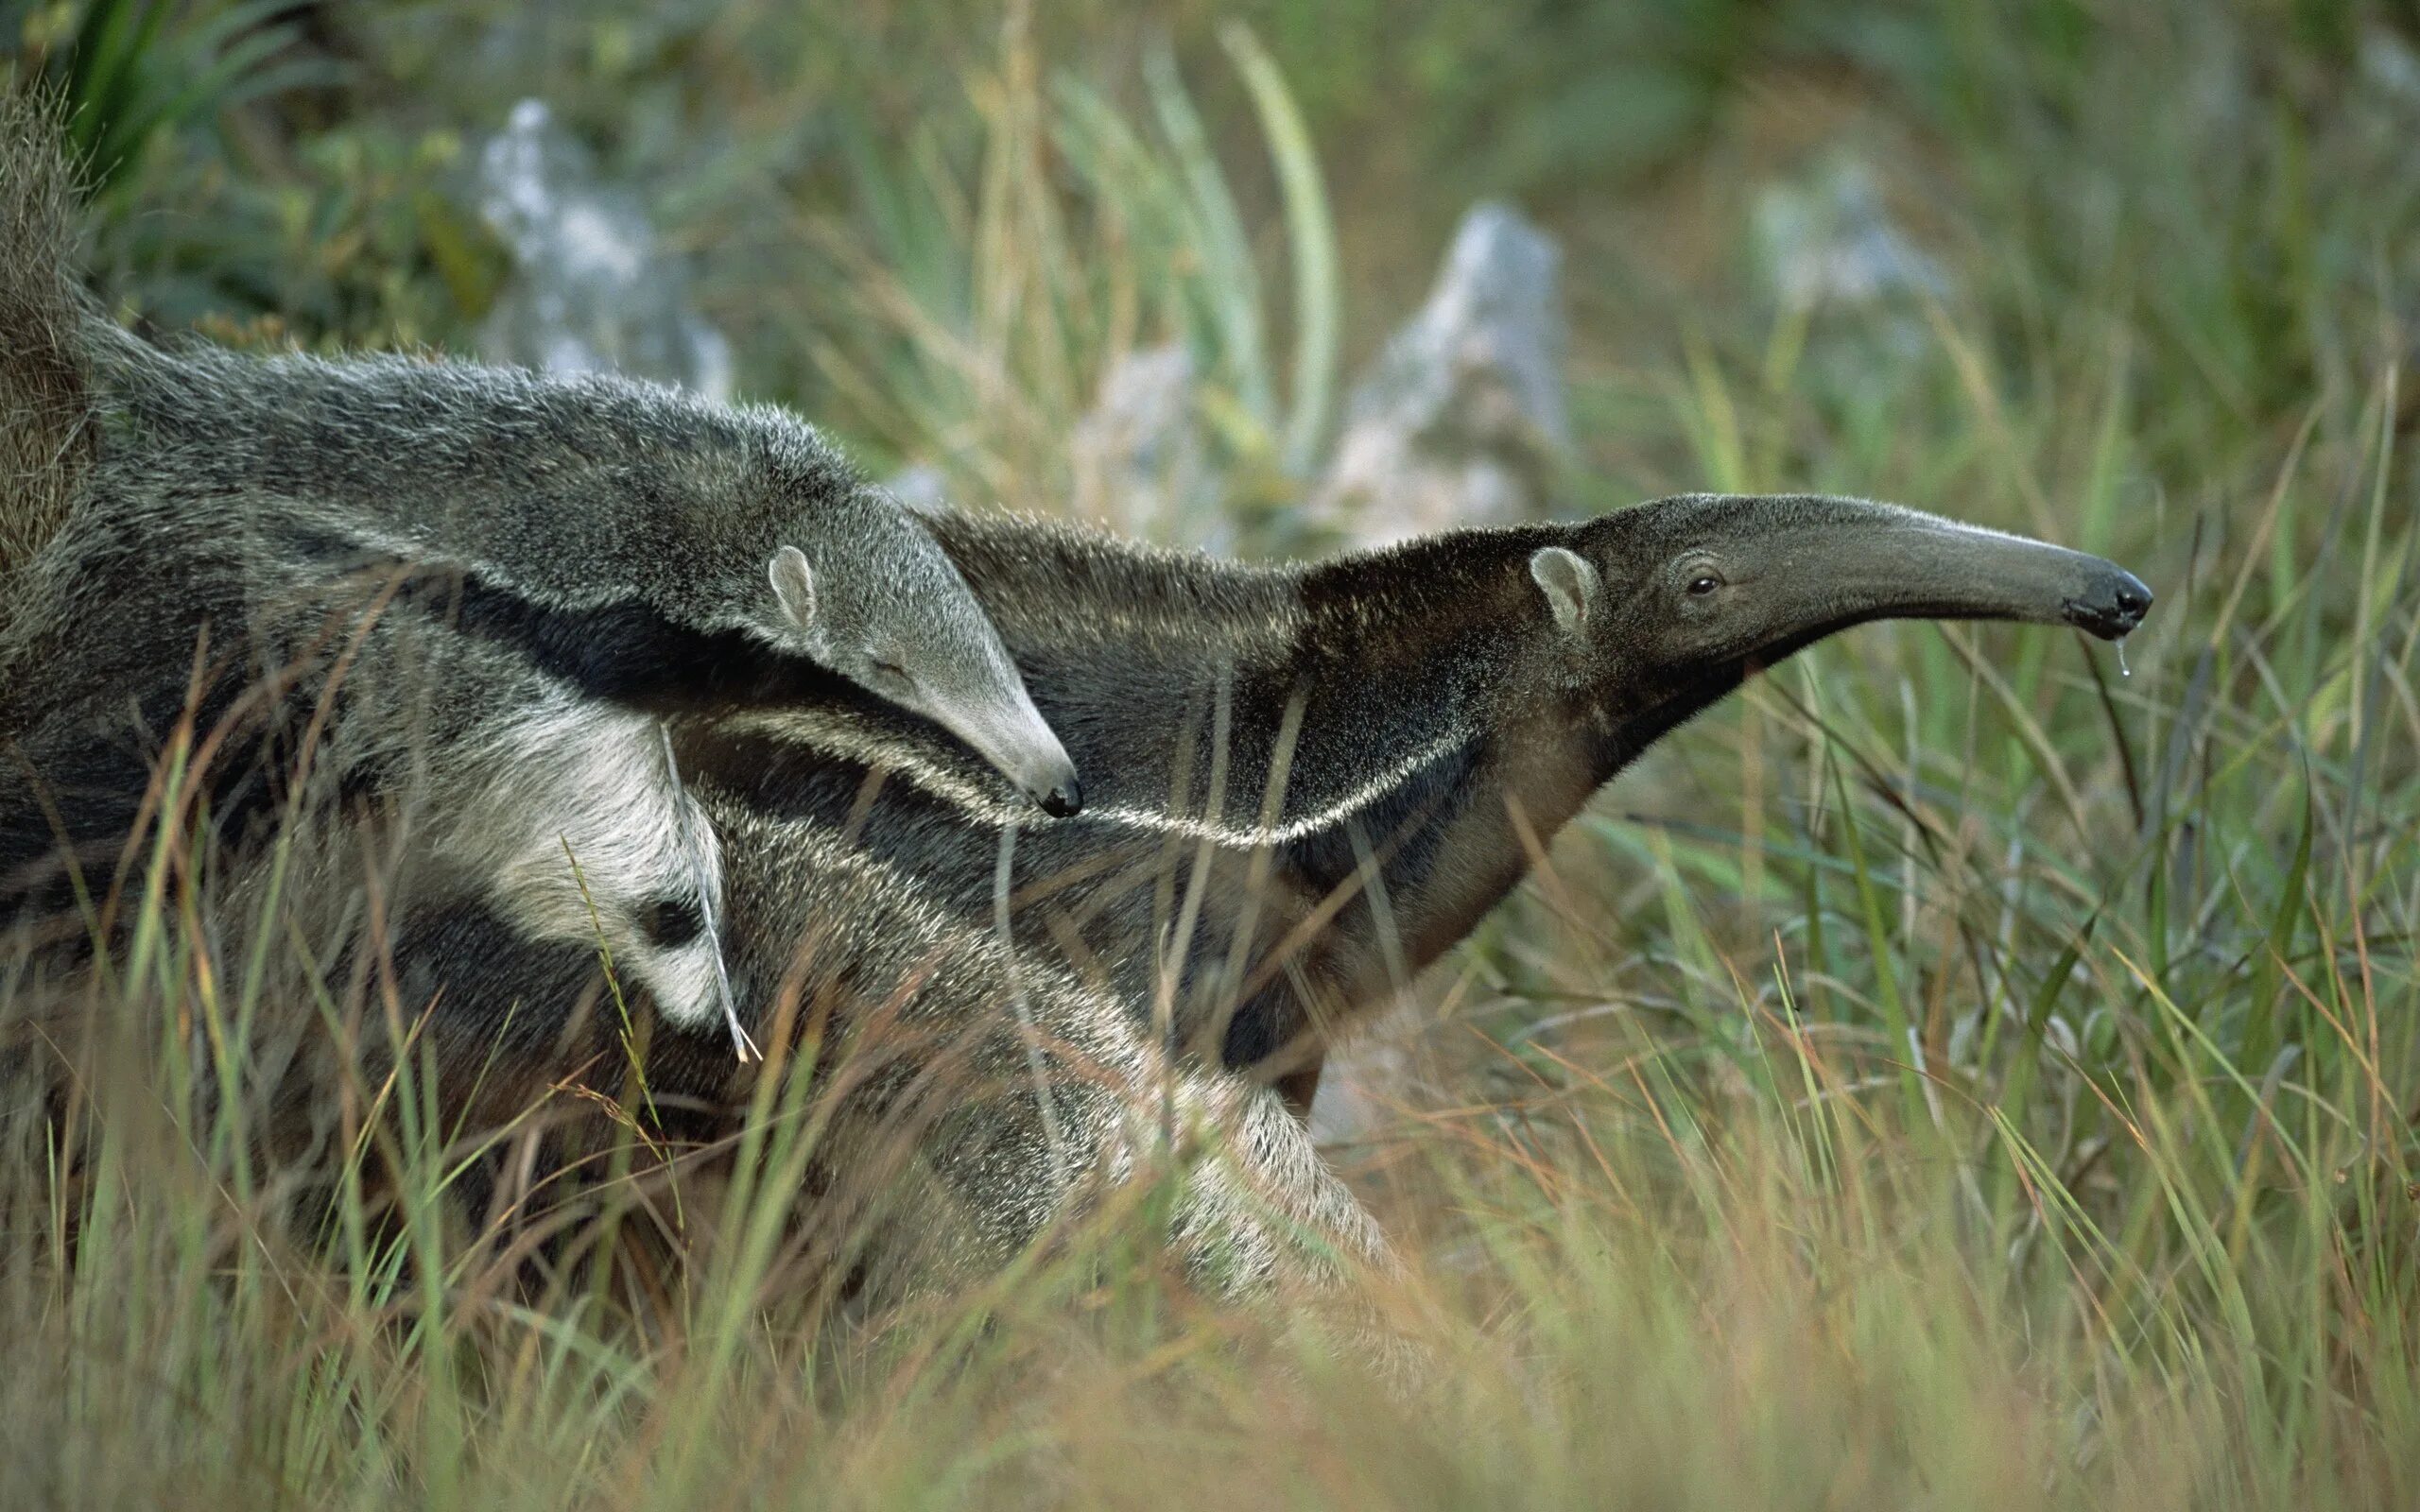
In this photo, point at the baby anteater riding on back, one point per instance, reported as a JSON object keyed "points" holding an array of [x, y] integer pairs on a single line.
{"points": [[584, 496], [616, 551]]}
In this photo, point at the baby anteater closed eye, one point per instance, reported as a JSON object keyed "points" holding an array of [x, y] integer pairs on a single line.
{"points": [[910, 631]]}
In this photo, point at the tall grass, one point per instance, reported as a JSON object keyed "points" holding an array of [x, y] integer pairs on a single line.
{"points": [[985, 288], [1960, 1073]]}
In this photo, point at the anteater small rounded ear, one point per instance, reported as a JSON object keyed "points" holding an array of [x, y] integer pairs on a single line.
{"points": [[1569, 583], [793, 583]]}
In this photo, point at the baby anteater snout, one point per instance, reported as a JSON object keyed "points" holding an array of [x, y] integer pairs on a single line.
{"points": [[1065, 799]]}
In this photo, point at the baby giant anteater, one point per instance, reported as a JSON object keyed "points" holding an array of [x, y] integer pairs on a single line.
{"points": [[616, 550]]}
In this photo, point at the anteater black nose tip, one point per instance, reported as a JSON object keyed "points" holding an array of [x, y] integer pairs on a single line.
{"points": [[1065, 800], [2132, 601], [2112, 607]]}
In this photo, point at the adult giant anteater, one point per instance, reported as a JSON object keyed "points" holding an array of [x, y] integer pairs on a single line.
{"points": [[1315, 780], [1312, 781]]}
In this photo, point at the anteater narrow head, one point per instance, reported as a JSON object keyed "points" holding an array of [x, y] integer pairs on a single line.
{"points": [[888, 610], [1664, 608]]}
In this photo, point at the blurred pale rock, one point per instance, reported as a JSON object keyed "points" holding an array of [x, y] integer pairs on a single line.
{"points": [[1369, 1081], [1461, 420], [2390, 68], [920, 487], [591, 290], [1830, 240], [1140, 460]]}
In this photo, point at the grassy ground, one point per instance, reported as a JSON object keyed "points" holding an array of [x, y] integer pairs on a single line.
{"points": [[1957, 1073]]}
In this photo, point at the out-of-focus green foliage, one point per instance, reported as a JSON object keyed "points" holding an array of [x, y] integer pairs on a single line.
{"points": [[307, 164], [126, 71], [2064, 148]]}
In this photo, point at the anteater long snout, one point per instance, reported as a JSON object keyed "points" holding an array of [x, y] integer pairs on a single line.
{"points": [[1850, 560], [1010, 732]]}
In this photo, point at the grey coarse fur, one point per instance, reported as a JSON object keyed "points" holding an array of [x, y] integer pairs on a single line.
{"points": [[648, 535], [1308, 784], [1007, 1122], [331, 700], [44, 433], [591, 493]]}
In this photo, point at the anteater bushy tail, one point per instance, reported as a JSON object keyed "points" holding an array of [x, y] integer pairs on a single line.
{"points": [[47, 441]]}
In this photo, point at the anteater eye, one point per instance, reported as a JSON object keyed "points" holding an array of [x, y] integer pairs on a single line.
{"points": [[1702, 584]]}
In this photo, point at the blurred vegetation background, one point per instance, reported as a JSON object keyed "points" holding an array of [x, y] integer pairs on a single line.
{"points": [[1963, 1071], [2229, 181]]}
